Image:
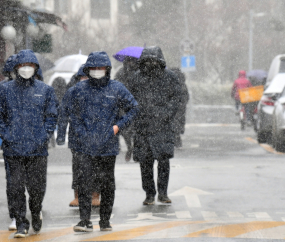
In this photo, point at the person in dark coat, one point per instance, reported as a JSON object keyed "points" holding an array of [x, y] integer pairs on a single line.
{"points": [[8, 72], [59, 86], [8, 69], [126, 75], [77, 77], [180, 117], [94, 117], [28, 115], [157, 91], [63, 120]]}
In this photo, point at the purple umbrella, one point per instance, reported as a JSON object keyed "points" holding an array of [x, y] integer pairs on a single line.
{"points": [[131, 51]]}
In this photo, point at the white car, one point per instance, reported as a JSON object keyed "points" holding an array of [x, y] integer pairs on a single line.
{"points": [[277, 66], [278, 123]]}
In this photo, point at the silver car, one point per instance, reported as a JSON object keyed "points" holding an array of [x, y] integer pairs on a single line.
{"points": [[265, 108], [278, 123]]}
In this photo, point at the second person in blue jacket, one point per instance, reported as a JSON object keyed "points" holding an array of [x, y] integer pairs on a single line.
{"points": [[94, 117]]}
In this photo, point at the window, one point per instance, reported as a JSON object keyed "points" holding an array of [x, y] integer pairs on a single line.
{"points": [[100, 9], [282, 66], [61, 6]]}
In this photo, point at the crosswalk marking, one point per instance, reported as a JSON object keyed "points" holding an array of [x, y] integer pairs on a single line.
{"points": [[183, 214], [208, 215], [235, 215], [259, 215]]}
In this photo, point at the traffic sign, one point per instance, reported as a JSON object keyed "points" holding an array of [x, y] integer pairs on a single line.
{"points": [[187, 46], [188, 63]]}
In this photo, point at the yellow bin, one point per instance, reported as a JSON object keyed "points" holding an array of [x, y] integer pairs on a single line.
{"points": [[251, 94]]}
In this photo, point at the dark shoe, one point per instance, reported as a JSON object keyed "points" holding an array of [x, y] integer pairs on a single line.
{"points": [[83, 226], [128, 155], [22, 230], [106, 227], [163, 199], [37, 222], [149, 200]]}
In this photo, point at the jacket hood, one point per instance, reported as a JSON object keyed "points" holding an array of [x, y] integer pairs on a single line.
{"points": [[97, 59], [26, 56], [80, 71], [153, 52], [242, 74], [9, 65], [40, 74]]}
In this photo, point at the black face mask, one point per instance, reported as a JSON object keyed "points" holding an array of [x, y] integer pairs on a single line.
{"points": [[150, 67]]}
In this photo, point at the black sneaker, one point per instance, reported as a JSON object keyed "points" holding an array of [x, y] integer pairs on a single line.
{"points": [[106, 227], [149, 200], [22, 231], [163, 199], [83, 226], [37, 221]]}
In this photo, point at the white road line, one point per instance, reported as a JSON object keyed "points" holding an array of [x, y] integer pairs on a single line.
{"points": [[183, 214], [235, 215], [259, 215], [194, 146], [210, 125], [208, 215], [146, 216]]}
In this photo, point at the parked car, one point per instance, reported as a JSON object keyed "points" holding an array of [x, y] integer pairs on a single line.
{"points": [[278, 123], [277, 66], [265, 108]]}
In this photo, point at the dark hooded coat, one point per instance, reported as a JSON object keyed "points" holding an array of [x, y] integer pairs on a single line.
{"points": [[180, 117], [28, 113], [158, 98], [93, 107]]}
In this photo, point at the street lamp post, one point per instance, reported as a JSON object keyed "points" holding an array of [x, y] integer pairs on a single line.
{"points": [[250, 49]]}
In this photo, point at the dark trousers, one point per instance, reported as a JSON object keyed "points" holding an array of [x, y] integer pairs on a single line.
{"points": [[128, 137], [30, 173], [8, 188], [147, 176], [74, 170], [96, 173]]}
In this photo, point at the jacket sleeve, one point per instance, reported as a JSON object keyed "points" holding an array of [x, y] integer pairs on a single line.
{"points": [[3, 113], [51, 111], [130, 106], [63, 118], [167, 112]]}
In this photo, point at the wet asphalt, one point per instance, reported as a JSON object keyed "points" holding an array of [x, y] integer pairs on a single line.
{"points": [[221, 180]]}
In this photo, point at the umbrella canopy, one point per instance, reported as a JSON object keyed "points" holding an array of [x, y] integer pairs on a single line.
{"points": [[131, 51], [257, 77], [45, 63], [70, 63]]}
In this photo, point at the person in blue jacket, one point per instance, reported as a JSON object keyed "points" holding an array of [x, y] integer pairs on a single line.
{"points": [[28, 116], [8, 72], [95, 121], [63, 120]]}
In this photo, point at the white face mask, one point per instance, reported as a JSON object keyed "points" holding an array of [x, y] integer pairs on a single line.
{"points": [[97, 73], [26, 72]]}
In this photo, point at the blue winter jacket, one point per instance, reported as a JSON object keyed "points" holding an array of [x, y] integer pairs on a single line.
{"points": [[28, 113], [93, 111]]}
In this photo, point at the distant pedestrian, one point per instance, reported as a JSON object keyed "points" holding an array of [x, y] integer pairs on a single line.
{"points": [[180, 117], [63, 120], [28, 114], [240, 83], [157, 91], [94, 113], [8, 72], [59, 86], [126, 76]]}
